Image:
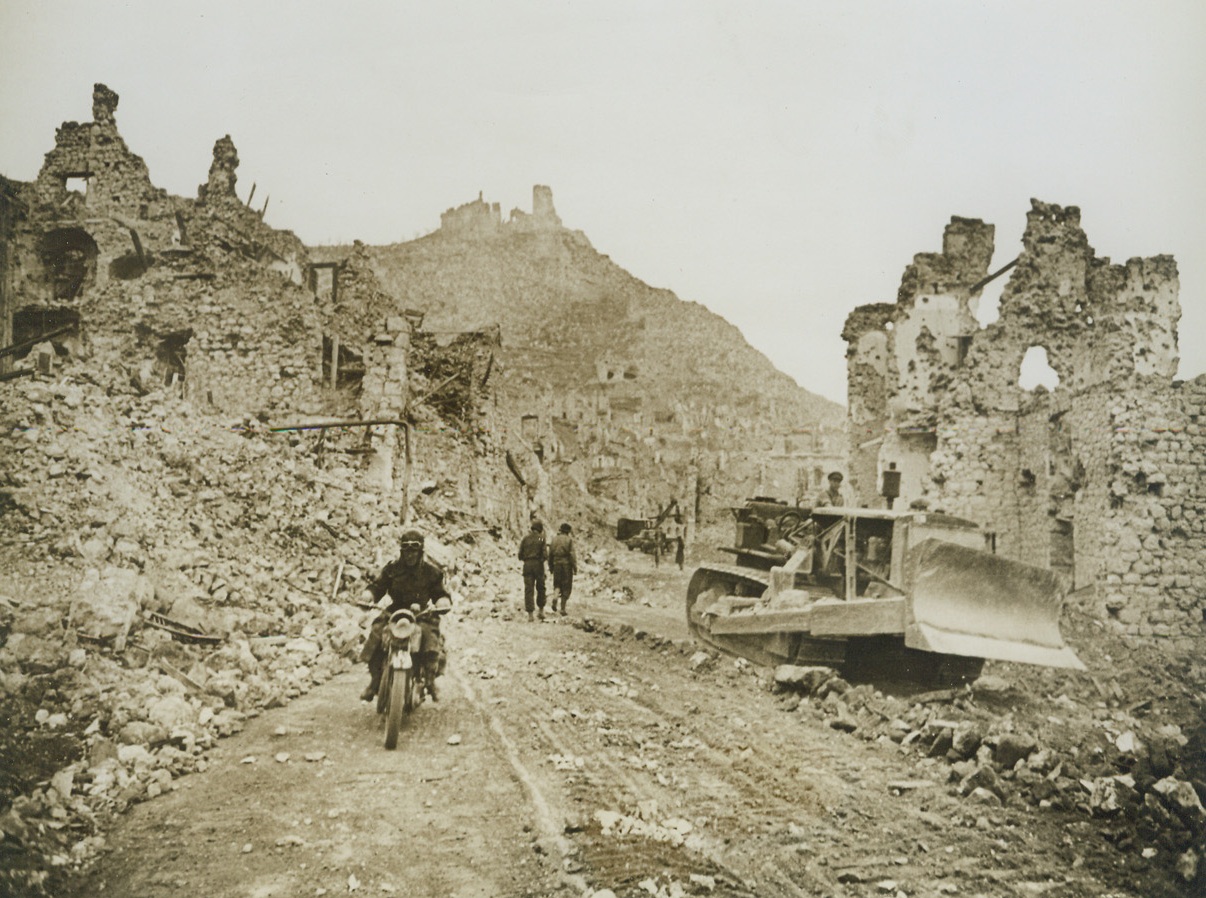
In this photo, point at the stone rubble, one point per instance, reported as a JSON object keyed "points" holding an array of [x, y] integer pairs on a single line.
{"points": [[139, 628]]}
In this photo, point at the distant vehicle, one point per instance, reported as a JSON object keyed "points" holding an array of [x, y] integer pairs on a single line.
{"points": [[911, 595], [647, 534], [650, 541]]}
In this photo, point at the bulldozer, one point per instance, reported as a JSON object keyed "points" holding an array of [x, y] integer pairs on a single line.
{"points": [[913, 595]]}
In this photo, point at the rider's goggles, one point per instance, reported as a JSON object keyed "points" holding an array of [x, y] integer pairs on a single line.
{"points": [[411, 544]]}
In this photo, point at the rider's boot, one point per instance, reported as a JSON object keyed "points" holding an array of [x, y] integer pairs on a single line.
{"points": [[531, 617], [431, 689], [370, 691]]}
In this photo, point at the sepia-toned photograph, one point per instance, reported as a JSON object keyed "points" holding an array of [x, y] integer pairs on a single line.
{"points": [[604, 449]]}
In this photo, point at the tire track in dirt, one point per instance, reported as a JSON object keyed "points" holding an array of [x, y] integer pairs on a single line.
{"points": [[292, 827]]}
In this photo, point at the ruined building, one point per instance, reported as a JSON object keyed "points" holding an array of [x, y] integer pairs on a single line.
{"points": [[202, 297], [1101, 477]]}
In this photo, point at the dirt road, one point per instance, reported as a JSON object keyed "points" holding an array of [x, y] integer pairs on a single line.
{"points": [[566, 758]]}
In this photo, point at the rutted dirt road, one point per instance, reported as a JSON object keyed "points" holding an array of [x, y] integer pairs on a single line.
{"points": [[566, 758]]}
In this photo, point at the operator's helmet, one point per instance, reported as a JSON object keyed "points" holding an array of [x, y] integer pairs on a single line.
{"points": [[412, 539], [566, 528]]}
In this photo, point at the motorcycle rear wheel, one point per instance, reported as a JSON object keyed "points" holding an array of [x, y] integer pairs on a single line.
{"points": [[399, 694]]}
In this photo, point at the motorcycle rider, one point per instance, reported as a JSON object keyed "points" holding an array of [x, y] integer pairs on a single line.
{"points": [[406, 582]]}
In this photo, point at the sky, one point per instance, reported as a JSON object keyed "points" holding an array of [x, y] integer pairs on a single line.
{"points": [[778, 162]]}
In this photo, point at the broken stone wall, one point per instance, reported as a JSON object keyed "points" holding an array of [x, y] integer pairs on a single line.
{"points": [[475, 218], [200, 296], [1086, 479], [11, 209], [1153, 539]]}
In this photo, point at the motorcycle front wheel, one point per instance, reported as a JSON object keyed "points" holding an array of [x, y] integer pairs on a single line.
{"points": [[399, 689], [387, 677], [414, 690]]}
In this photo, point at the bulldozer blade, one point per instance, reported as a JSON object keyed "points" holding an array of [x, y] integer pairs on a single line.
{"points": [[964, 601]]}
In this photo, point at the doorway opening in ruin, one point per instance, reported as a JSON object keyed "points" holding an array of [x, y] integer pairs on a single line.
{"points": [[170, 357], [69, 258], [29, 324], [1065, 477], [1036, 371], [1062, 554]]}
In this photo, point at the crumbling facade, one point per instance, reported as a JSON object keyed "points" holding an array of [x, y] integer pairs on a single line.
{"points": [[202, 298], [1100, 478]]}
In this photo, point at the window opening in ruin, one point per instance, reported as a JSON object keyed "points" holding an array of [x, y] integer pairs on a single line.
{"points": [[988, 307], [1035, 370], [322, 280], [77, 183], [349, 364], [529, 427], [964, 347], [31, 323], [69, 259]]}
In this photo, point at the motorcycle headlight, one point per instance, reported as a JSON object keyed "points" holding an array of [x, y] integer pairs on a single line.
{"points": [[401, 629]]}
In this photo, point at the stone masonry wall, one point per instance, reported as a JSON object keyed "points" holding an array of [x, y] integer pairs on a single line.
{"points": [[1154, 529], [1098, 479]]}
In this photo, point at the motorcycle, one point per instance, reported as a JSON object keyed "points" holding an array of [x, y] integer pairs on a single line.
{"points": [[410, 666]]}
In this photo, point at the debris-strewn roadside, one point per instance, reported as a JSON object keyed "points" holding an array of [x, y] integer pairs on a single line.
{"points": [[166, 575], [1117, 752]]}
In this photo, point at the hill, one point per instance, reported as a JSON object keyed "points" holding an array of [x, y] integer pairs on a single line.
{"points": [[629, 380]]}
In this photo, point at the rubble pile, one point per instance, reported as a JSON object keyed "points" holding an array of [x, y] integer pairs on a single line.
{"points": [[172, 572], [1124, 753], [996, 746]]}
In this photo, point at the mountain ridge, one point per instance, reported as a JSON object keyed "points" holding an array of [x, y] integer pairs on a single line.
{"points": [[569, 314]]}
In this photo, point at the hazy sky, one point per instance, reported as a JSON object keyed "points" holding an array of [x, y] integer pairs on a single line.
{"points": [[779, 163]]}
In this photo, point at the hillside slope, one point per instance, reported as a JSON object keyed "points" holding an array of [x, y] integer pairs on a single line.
{"points": [[565, 309], [625, 391]]}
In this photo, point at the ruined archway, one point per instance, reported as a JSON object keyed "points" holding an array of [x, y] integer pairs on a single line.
{"points": [[69, 259]]}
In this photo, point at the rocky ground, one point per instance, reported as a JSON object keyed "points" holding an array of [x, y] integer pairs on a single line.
{"points": [[575, 757], [179, 710]]}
